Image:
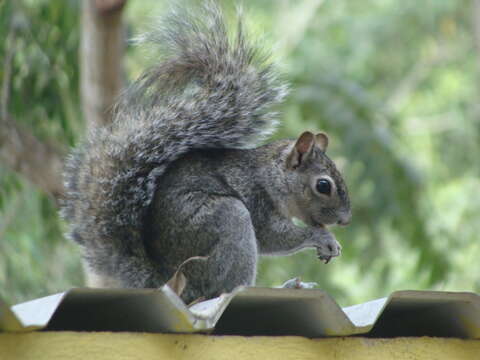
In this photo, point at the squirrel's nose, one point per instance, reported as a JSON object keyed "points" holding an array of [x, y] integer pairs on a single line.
{"points": [[344, 219]]}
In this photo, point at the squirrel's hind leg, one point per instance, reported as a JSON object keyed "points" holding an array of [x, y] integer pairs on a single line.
{"points": [[224, 227]]}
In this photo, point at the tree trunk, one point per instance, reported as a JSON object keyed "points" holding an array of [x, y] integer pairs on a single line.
{"points": [[101, 55]]}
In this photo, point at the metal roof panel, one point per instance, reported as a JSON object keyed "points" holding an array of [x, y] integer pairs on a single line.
{"points": [[250, 311]]}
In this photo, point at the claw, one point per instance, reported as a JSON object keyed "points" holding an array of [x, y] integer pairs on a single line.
{"points": [[325, 258]]}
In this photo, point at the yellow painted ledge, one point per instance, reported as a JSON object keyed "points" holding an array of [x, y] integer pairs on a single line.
{"points": [[119, 346]]}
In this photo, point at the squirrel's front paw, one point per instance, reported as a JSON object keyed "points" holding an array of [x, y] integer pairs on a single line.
{"points": [[328, 247]]}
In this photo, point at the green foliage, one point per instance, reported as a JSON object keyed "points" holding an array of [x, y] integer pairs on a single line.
{"points": [[394, 85], [43, 36]]}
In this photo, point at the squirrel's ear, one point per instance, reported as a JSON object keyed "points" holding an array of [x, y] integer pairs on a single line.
{"points": [[321, 139], [301, 150]]}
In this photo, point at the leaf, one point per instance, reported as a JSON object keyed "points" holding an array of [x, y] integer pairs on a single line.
{"points": [[178, 281]]}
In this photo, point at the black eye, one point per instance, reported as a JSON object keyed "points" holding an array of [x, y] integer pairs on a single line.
{"points": [[324, 187]]}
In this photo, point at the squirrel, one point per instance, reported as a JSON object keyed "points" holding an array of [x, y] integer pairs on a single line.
{"points": [[179, 172]]}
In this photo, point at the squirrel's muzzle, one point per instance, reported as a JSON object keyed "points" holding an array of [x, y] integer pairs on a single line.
{"points": [[344, 218]]}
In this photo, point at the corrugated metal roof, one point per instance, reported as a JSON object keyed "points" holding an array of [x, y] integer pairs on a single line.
{"points": [[250, 311]]}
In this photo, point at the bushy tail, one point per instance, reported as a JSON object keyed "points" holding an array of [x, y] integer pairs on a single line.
{"points": [[210, 90]]}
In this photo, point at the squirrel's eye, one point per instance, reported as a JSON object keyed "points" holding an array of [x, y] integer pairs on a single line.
{"points": [[324, 187]]}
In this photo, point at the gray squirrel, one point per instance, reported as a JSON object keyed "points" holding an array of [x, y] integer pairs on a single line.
{"points": [[176, 175]]}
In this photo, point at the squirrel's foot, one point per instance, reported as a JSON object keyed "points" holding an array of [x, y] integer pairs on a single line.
{"points": [[297, 283], [328, 247]]}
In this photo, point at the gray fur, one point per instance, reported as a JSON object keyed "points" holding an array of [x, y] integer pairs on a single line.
{"points": [[233, 205], [163, 183]]}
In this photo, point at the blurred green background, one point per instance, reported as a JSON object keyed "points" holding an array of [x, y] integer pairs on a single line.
{"points": [[394, 83]]}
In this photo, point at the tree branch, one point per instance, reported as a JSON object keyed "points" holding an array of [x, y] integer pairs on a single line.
{"points": [[476, 23], [476, 39], [20, 150], [101, 58], [7, 74], [101, 81], [41, 163]]}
